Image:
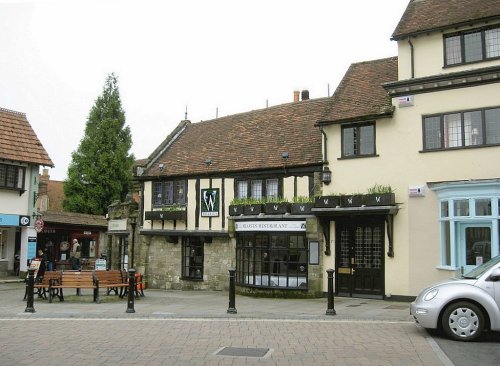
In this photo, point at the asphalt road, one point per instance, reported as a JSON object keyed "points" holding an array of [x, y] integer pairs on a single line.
{"points": [[483, 352]]}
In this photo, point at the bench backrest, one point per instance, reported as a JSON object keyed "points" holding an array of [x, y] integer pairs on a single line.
{"points": [[47, 277], [110, 277], [82, 278]]}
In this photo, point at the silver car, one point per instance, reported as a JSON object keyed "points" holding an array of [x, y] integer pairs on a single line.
{"points": [[462, 307]]}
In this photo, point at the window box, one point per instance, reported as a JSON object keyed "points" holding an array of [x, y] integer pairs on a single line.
{"points": [[253, 209], [166, 215], [276, 208], [327, 202], [353, 200], [303, 208], [236, 210], [380, 199]]}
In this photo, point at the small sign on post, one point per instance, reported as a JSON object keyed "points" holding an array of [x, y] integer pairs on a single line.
{"points": [[100, 264]]}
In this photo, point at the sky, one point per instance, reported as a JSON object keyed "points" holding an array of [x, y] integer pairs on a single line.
{"points": [[211, 57]]}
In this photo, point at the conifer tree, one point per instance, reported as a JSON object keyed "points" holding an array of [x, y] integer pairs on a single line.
{"points": [[101, 168]]}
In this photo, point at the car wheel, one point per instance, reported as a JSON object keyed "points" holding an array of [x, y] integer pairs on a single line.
{"points": [[463, 321]]}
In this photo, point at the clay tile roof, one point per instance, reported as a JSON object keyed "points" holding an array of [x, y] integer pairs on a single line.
{"points": [[422, 16], [18, 141], [247, 141], [360, 94], [72, 218]]}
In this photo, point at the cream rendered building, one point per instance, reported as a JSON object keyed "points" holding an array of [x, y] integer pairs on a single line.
{"points": [[21, 155], [432, 133]]}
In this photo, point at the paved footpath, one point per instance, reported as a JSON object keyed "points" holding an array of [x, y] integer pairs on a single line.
{"points": [[193, 328]]}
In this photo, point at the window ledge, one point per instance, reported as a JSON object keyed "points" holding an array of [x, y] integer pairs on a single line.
{"points": [[447, 268], [358, 157]]}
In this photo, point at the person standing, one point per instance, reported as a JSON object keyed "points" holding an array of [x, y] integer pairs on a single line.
{"points": [[75, 255]]}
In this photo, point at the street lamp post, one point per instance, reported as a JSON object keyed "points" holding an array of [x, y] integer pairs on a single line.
{"points": [[133, 222]]}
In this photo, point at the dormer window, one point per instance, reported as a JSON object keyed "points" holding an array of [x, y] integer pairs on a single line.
{"points": [[472, 46]]}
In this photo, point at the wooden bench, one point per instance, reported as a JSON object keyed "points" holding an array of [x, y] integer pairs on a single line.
{"points": [[74, 279], [139, 285], [113, 280], [41, 284]]}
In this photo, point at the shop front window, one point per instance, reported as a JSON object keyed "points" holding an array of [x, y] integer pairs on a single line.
{"points": [[272, 260]]}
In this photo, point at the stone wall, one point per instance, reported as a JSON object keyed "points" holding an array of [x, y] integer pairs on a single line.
{"points": [[160, 262]]}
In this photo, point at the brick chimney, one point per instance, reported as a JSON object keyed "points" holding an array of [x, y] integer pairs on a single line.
{"points": [[305, 94], [296, 95]]}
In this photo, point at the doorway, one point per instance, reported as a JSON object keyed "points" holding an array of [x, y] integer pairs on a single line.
{"points": [[360, 258]]}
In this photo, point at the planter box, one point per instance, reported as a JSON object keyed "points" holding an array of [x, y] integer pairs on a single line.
{"points": [[380, 199], [276, 208], [355, 200], [327, 202], [166, 215], [301, 208], [252, 209], [236, 210]]}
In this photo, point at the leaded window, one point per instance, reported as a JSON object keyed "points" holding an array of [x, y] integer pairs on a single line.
{"points": [[258, 188], [462, 129], [358, 140], [169, 193], [472, 46], [12, 176]]}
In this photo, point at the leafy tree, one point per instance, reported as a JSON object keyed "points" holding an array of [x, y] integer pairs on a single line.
{"points": [[101, 168]]}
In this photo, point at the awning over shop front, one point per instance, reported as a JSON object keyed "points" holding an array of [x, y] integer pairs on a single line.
{"points": [[350, 211], [330, 213]]}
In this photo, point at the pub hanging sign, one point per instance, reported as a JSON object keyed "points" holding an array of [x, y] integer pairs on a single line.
{"points": [[210, 201]]}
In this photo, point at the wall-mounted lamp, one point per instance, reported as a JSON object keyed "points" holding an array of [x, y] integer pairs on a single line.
{"points": [[208, 162], [161, 166], [326, 175], [285, 156], [36, 215]]}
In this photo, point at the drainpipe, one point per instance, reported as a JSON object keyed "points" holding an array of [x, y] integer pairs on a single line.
{"points": [[412, 56], [325, 140]]}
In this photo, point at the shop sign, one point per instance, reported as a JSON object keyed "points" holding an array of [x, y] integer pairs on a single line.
{"points": [[14, 220], [117, 225], [270, 226], [31, 247], [210, 202], [39, 225]]}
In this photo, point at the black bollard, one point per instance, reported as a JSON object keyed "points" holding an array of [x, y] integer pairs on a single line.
{"points": [[331, 307], [232, 301], [131, 290], [30, 290]]}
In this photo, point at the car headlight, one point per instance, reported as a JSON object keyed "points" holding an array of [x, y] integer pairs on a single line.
{"points": [[431, 294]]}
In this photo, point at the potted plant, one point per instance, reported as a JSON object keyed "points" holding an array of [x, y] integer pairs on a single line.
{"points": [[172, 212], [351, 200], [327, 201], [302, 205], [236, 207], [276, 206], [380, 195], [253, 206]]}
